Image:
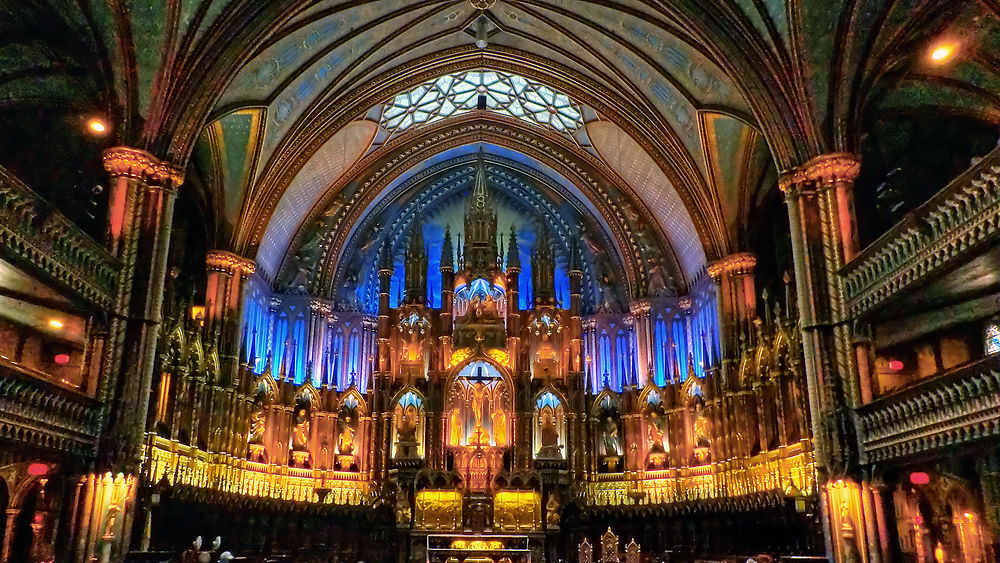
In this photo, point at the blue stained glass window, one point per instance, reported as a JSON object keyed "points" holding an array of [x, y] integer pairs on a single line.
{"points": [[680, 350], [298, 343], [606, 370], [661, 351]]}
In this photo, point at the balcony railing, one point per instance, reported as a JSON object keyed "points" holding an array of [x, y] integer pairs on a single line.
{"points": [[32, 231], [952, 408], [958, 220], [44, 414]]}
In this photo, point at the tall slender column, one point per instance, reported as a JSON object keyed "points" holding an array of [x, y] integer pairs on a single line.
{"points": [[823, 234]]}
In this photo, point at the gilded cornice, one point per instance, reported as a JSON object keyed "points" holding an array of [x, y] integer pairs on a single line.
{"points": [[734, 264], [822, 171], [229, 263], [140, 165]]}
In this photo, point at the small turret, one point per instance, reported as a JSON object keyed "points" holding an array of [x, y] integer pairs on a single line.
{"points": [[543, 270], [415, 278], [447, 252], [513, 253]]}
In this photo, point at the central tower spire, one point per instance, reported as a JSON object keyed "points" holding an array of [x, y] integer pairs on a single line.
{"points": [[480, 224]]}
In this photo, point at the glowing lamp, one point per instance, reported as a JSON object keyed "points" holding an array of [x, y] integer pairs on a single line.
{"points": [[55, 323], [61, 359], [97, 126], [895, 365], [38, 469], [941, 52], [919, 478]]}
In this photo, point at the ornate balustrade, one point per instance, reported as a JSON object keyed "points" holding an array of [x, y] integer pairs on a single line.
{"points": [[32, 231], [39, 412], [188, 466], [778, 471], [953, 408], [960, 218]]}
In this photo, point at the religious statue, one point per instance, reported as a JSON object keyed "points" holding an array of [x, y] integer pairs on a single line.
{"points": [[258, 420], [548, 434], [345, 444], [403, 513], [552, 510], [655, 433], [609, 438], [480, 435], [300, 432], [499, 427], [455, 437], [406, 433]]}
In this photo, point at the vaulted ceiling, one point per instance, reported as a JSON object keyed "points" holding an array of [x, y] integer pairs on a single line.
{"points": [[280, 110]]}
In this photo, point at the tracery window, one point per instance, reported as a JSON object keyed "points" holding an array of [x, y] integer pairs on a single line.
{"points": [[455, 94]]}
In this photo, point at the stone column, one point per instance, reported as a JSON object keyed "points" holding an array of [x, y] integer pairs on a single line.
{"points": [[223, 310], [821, 217]]}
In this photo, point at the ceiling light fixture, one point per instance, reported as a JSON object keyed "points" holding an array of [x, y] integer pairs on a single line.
{"points": [[97, 126], [55, 323], [942, 52]]}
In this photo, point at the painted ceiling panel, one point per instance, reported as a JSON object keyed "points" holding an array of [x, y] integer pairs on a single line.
{"points": [[631, 162], [328, 164]]}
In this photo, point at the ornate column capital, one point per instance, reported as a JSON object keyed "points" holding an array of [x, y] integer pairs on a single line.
{"points": [[229, 263], [141, 165], [824, 170], [734, 264]]}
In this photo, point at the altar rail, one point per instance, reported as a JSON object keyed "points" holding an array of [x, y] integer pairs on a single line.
{"points": [[959, 219], [32, 231], [788, 470], [37, 411], [183, 465], [952, 408]]}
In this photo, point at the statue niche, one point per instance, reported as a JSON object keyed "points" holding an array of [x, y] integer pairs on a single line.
{"points": [[550, 422], [301, 422], [407, 423], [347, 434], [608, 420], [655, 426]]}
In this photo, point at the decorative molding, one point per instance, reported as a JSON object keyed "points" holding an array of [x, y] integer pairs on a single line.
{"points": [[824, 170], [32, 232], [229, 263], [953, 408], [734, 264], [961, 218], [140, 165]]}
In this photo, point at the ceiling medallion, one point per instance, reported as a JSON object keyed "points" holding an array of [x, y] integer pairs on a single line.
{"points": [[482, 4]]}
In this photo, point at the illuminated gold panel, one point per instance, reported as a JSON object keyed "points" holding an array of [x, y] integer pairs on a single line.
{"points": [[184, 465], [517, 511], [789, 468], [439, 510]]}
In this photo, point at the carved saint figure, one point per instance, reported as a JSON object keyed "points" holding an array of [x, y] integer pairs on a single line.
{"points": [[345, 443], [455, 438], [610, 438], [407, 431], [300, 433], [655, 433], [258, 423], [499, 427], [552, 510], [549, 433]]}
